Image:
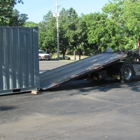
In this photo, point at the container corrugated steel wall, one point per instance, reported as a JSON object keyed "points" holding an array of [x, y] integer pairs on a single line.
{"points": [[19, 65]]}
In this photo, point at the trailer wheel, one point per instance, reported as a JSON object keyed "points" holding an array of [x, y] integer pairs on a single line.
{"points": [[126, 72]]}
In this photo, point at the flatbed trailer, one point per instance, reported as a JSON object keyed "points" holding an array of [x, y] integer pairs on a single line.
{"points": [[119, 65]]}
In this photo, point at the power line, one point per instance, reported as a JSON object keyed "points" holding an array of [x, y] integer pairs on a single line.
{"points": [[34, 8], [37, 8]]}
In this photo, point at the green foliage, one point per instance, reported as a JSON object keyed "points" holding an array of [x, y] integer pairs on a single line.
{"points": [[47, 33], [11, 17], [30, 24], [64, 28], [125, 14], [71, 32], [117, 27]]}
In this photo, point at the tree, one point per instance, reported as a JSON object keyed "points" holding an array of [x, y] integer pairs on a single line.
{"points": [[116, 27], [72, 34], [100, 30], [17, 19], [78, 37], [125, 14], [47, 33], [132, 17], [63, 31], [11, 17], [30, 24]]}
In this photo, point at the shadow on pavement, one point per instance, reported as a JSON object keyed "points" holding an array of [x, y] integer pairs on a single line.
{"points": [[104, 86], [7, 108]]}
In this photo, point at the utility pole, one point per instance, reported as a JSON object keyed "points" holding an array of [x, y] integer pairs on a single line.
{"points": [[56, 15]]}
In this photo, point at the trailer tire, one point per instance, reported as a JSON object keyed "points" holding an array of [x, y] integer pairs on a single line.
{"points": [[126, 72]]}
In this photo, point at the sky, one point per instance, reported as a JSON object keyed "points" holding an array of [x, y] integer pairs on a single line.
{"points": [[36, 9]]}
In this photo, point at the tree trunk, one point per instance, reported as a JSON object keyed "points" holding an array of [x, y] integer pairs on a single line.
{"points": [[74, 56]]}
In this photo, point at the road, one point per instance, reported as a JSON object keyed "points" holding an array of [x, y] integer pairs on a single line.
{"points": [[48, 65], [78, 110]]}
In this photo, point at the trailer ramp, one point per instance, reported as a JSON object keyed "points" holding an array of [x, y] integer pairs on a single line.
{"points": [[55, 77]]}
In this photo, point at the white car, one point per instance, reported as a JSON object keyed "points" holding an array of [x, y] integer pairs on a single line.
{"points": [[43, 55]]}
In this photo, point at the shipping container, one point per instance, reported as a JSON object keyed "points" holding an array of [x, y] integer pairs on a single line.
{"points": [[19, 64]]}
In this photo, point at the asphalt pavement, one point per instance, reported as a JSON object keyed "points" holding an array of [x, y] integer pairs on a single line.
{"points": [[77, 110]]}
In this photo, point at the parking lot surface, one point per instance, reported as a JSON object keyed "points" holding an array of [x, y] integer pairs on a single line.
{"points": [[77, 110]]}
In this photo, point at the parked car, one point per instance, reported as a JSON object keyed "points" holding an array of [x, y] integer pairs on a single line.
{"points": [[43, 55], [65, 58]]}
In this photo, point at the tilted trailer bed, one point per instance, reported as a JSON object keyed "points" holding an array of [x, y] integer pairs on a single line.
{"points": [[97, 67], [74, 70]]}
